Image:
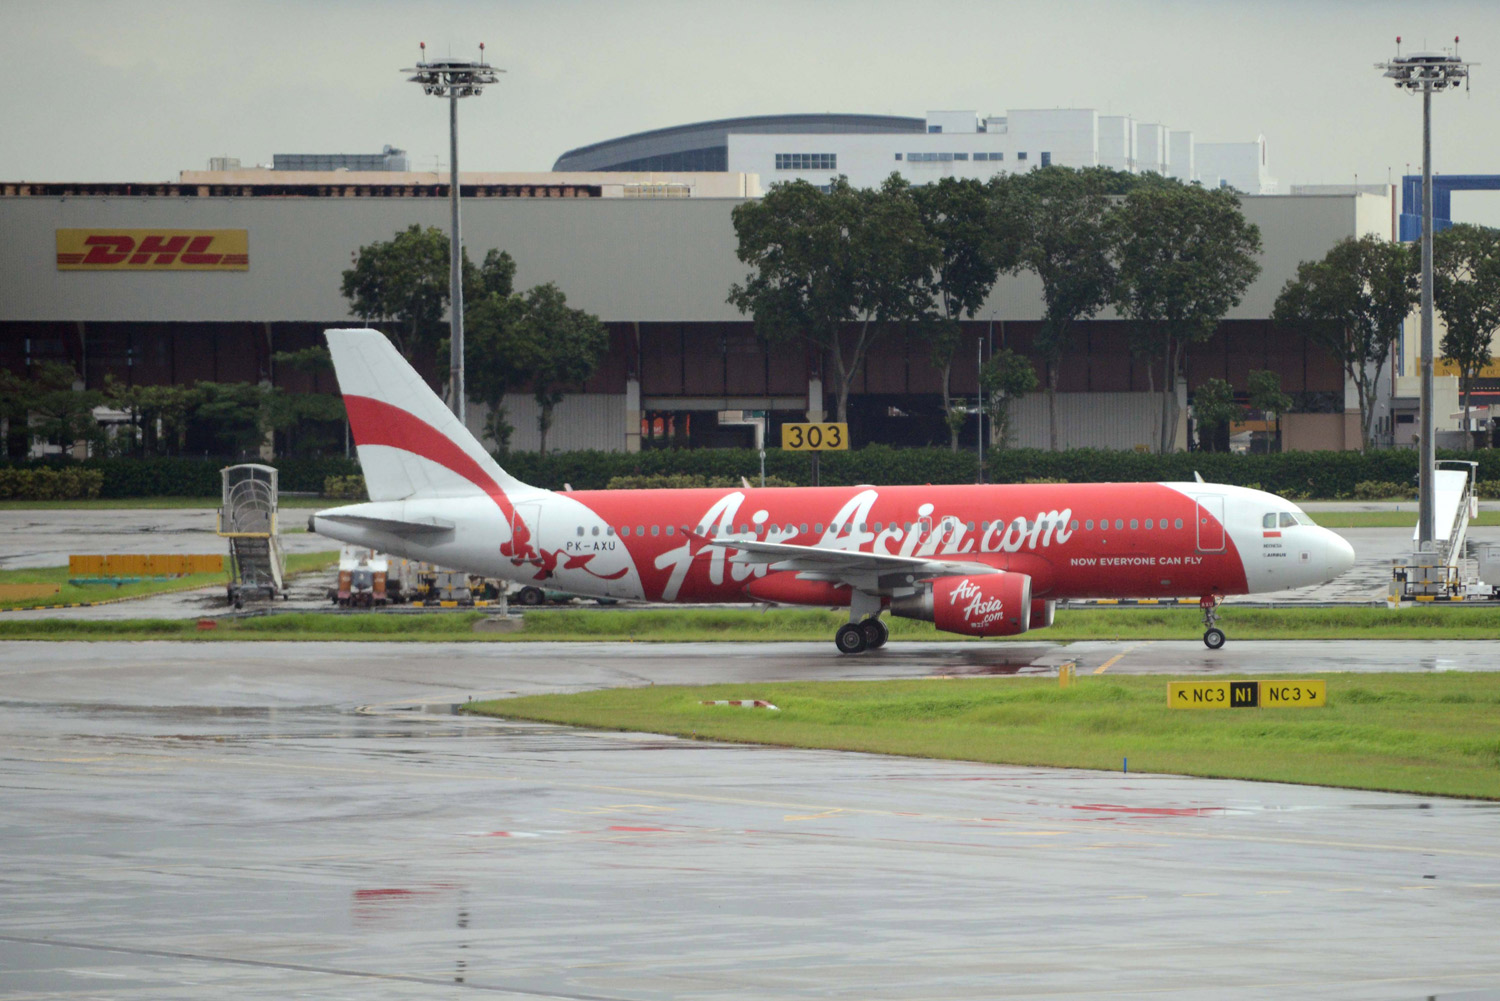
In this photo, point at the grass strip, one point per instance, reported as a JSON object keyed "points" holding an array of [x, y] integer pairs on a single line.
{"points": [[1419, 733], [69, 594], [1389, 519], [696, 625]]}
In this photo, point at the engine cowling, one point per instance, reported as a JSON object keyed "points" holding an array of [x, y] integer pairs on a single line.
{"points": [[1043, 611], [981, 605]]}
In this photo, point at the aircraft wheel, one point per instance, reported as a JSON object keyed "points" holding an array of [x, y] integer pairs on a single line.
{"points": [[850, 638], [876, 633], [1213, 639], [531, 596]]}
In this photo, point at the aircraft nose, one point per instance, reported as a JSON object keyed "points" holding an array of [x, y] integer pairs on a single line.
{"points": [[1340, 555]]}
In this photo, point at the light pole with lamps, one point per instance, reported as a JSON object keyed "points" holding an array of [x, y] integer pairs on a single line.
{"points": [[454, 78], [1425, 72]]}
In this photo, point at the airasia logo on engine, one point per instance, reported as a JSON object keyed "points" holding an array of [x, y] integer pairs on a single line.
{"points": [[978, 606], [979, 609]]}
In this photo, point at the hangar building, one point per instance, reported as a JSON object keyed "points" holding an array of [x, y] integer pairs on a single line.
{"points": [[656, 270]]}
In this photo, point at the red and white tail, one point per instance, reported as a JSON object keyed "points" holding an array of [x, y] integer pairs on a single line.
{"points": [[411, 446]]}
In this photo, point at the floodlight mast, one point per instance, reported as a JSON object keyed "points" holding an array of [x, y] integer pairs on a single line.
{"points": [[454, 78], [1426, 72]]}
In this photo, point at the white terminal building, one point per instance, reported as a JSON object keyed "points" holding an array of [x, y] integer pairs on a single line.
{"points": [[961, 144]]}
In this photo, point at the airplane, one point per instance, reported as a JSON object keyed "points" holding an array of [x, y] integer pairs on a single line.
{"points": [[978, 560]]}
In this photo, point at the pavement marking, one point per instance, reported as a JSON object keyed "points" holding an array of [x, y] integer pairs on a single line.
{"points": [[830, 812], [1117, 657], [386, 771], [1129, 896]]}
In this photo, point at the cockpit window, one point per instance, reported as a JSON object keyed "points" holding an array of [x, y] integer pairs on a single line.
{"points": [[1269, 521], [1288, 519]]}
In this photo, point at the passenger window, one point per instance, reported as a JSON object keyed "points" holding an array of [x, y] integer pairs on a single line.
{"points": [[984, 526], [804, 528], [1088, 526], [1287, 520], [594, 530], [655, 529], [1133, 524], [908, 526], [669, 529], [1148, 524], [609, 530], [863, 529], [818, 527], [580, 530], [640, 530], [1119, 524], [1177, 523], [1073, 526], [624, 530], [971, 526]]}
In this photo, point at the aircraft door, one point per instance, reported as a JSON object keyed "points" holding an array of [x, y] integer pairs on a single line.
{"points": [[1210, 516]]}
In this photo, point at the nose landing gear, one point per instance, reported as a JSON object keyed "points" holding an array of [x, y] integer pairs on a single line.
{"points": [[1213, 637]]}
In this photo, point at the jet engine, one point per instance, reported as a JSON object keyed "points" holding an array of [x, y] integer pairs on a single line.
{"points": [[982, 605], [1043, 610]]}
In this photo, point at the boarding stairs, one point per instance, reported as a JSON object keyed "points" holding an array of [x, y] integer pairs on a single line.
{"points": [[247, 519], [1445, 571]]}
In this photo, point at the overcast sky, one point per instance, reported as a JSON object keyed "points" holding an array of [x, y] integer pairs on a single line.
{"points": [[137, 91]]}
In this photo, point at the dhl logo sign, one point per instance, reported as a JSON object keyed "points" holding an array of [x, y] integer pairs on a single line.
{"points": [[153, 250]]}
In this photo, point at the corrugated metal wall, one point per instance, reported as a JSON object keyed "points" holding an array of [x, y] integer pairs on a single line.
{"points": [[594, 420], [1089, 420]]}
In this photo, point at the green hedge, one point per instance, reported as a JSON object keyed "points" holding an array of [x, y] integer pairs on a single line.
{"points": [[1293, 474], [1296, 475], [50, 484], [179, 477]]}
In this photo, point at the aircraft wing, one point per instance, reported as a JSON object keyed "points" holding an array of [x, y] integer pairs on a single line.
{"points": [[873, 572]]}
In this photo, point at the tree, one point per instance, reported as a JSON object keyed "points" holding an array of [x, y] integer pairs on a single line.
{"points": [[499, 356], [496, 275], [47, 408], [1213, 410], [1267, 397], [959, 215], [1059, 215], [1466, 288], [563, 346], [404, 283], [1003, 379], [1352, 304], [826, 260], [158, 417], [1185, 256]]}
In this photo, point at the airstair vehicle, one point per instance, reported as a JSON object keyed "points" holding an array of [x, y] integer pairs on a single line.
{"points": [[247, 518], [1452, 569]]}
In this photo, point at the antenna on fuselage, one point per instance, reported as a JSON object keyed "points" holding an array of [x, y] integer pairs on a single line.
{"points": [[1197, 476]]}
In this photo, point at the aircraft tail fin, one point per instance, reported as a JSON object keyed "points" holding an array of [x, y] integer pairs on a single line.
{"points": [[410, 445]]}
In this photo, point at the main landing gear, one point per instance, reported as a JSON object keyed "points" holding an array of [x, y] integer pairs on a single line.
{"points": [[857, 637], [1213, 637], [864, 630]]}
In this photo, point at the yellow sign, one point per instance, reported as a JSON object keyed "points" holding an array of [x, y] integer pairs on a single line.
{"points": [[153, 250], [1246, 694], [1442, 367], [1297, 694], [815, 437]]}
